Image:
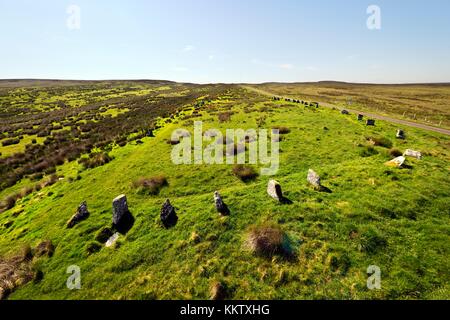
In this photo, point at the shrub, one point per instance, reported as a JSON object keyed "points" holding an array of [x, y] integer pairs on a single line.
{"points": [[46, 248], [11, 141], [218, 291], [371, 241], [50, 181], [268, 240], [224, 116], [380, 141], [339, 262], [173, 141], [282, 130], [150, 185], [245, 173], [367, 151], [95, 160], [25, 191], [92, 248], [395, 153], [10, 201], [103, 234]]}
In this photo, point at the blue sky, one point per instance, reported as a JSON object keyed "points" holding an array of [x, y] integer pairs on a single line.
{"points": [[227, 40]]}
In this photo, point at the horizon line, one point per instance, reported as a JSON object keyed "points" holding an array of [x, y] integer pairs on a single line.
{"points": [[231, 83]]}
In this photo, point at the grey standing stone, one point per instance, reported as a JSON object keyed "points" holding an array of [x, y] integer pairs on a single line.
{"points": [[122, 218], [412, 153], [313, 178], [81, 214], [221, 207], [120, 209], [274, 190]]}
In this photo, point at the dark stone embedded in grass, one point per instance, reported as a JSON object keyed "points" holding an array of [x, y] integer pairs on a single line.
{"points": [[221, 207], [103, 235], [122, 218], [81, 214], [360, 117], [168, 215], [400, 134], [345, 112], [370, 122]]}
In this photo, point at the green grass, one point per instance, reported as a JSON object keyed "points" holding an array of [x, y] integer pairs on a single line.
{"points": [[20, 147], [397, 219]]}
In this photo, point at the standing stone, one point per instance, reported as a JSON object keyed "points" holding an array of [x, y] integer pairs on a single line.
{"points": [[221, 207], [168, 215], [412, 153], [121, 215], [274, 190], [397, 162], [360, 117], [112, 240], [81, 214], [400, 134], [313, 178]]}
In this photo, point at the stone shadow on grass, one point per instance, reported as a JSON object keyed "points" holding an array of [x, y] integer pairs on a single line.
{"points": [[126, 223]]}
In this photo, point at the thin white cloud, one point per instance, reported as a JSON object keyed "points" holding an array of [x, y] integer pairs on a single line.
{"points": [[286, 66], [188, 48]]}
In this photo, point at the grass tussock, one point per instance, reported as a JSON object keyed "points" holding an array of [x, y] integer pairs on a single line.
{"points": [[367, 151], [95, 160], [245, 173], [380, 142], [150, 185], [282, 130], [224, 116], [268, 240], [394, 153]]}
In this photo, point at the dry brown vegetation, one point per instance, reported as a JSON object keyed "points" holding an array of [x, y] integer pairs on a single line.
{"points": [[426, 103], [150, 185], [245, 173], [268, 240]]}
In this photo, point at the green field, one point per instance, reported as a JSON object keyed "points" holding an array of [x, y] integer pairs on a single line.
{"points": [[395, 218]]}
